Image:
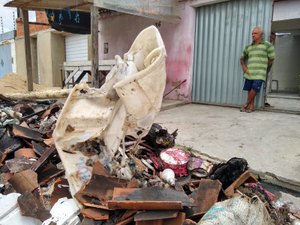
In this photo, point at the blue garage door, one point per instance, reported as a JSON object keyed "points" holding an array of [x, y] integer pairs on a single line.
{"points": [[5, 59]]}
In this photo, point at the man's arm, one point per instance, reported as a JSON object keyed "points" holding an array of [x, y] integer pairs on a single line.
{"points": [[271, 55], [243, 60], [243, 64], [270, 62]]}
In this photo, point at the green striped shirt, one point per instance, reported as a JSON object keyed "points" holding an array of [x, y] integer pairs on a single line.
{"points": [[257, 57]]}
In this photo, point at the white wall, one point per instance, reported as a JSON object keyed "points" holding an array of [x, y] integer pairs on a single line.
{"points": [[119, 31], [287, 67], [286, 10], [13, 55]]}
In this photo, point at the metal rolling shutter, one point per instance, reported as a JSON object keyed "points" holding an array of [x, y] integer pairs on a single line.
{"points": [[222, 31], [76, 48]]}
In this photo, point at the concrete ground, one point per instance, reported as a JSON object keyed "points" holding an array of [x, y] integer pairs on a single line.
{"points": [[284, 102], [269, 141]]}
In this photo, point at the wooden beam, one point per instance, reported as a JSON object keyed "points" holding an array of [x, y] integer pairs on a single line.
{"points": [[95, 47], [39, 24], [40, 5], [27, 50]]}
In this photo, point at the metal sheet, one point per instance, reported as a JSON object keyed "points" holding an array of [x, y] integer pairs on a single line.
{"points": [[222, 31], [76, 48]]}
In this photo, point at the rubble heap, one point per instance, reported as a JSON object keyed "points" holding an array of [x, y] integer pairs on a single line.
{"points": [[99, 158], [163, 183]]}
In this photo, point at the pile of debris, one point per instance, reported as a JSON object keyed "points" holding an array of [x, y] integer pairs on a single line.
{"points": [[162, 183]]}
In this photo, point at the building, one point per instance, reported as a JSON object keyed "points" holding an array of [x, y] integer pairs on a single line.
{"points": [[7, 53], [50, 49], [203, 38]]}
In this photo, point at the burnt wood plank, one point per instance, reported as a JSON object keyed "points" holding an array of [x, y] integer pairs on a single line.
{"points": [[9, 144], [26, 153], [156, 194], [179, 220], [48, 173], [87, 221], [99, 169], [145, 205], [17, 165], [33, 207], [95, 214], [47, 154], [126, 221], [61, 189], [102, 187], [246, 176], [127, 214], [25, 181], [38, 148], [155, 215], [23, 132], [2, 132], [204, 196], [90, 201], [123, 191]]}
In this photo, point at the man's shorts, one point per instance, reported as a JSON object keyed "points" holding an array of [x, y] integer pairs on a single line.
{"points": [[253, 84]]}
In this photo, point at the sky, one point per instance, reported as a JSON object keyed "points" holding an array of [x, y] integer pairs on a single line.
{"points": [[6, 13], [7, 17]]}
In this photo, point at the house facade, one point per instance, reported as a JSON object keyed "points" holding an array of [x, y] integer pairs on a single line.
{"points": [[203, 47], [50, 49]]}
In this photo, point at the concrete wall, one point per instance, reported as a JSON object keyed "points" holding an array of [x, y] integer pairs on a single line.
{"points": [[33, 45], [44, 58], [286, 67], [51, 55], [58, 58], [119, 32], [286, 10], [21, 59]]}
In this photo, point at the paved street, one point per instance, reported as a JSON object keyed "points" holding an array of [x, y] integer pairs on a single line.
{"points": [[269, 141]]}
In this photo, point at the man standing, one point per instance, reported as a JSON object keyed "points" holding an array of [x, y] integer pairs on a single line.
{"points": [[255, 60]]}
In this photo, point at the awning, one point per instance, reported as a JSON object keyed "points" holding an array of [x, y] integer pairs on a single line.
{"points": [[69, 21], [164, 10]]}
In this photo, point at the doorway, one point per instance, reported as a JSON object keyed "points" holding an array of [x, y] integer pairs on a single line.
{"points": [[283, 87], [283, 92]]}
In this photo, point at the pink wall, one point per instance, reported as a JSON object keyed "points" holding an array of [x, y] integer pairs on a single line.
{"points": [[119, 32]]}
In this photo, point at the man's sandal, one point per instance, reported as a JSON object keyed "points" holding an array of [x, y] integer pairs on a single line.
{"points": [[242, 109]]}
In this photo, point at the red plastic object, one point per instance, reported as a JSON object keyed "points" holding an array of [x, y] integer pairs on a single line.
{"points": [[175, 159]]}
